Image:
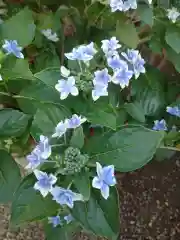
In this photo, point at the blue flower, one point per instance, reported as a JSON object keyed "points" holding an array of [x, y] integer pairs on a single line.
{"points": [[75, 121], [105, 178], [82, 53], [129, 4], [115, 62], [44, 183], [55, 221], [65, 196], [174, 111], [160, 125], [134, 58], [98, 92], [173, 14], [61, 128], [110, 47], [34, 159], [101, 77], [122, 77], [69, 218], [12, 47], [116, 5], [44, 147], [66, 87]]}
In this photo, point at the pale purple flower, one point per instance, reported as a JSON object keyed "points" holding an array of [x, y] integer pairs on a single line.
{"points": [[75, 121], [55, 221], [116, 5], [110, 46], [104, 179], [122, 77], [173, 14], [134, 58], [44, 147], [65, 196], [61, 129], [98, 92], [101, 77], [82, 53], [129, 4], [173, 111], [69, 218], [160, 125], [12, 47], [45, 182], [34, 159], [115, 62], [66, 87]]}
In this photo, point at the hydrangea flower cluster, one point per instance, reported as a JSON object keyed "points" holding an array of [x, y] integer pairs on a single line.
{"points": [[124, 67]]}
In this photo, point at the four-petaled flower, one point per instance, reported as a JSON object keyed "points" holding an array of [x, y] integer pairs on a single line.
{"points": [[173, 14], [69, 218], [110, 47], [66, 87], [65, 196], [174, 111], [44, 147], [123, 5], [160, 125], [104, 179], [55, 221], [115, 62], [50, 35], [82, 53], [101, 77], [61, 129], [75, 121], [12, 47], [122, 77], [34, 159], [45, 182]]}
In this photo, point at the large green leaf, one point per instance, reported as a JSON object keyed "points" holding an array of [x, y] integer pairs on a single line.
{"points": [[20, 27], [46, 119], [49, 76], [82, 183], [98, 215], [29, 205], [12, 122], [128, 149], [146, 14], [136, 111], [9, 177], [126, 33], [173, 38]]}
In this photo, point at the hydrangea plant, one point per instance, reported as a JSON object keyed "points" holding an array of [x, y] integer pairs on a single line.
{"points": [[80, 102]]}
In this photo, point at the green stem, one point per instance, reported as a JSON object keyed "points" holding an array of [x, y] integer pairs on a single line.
{"points": [[170, 148]]}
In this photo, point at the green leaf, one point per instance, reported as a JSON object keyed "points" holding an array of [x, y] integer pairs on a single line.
{"points": [[98, 215], [77, 139], [12, 122], [135, 111], [20, 27], [10, 177], [128, 149], [65, 232], [172, 38], [49, 76], [29, 205], [146, 14], [17, 68], [125, 29], [82, 183], [51, 116]]}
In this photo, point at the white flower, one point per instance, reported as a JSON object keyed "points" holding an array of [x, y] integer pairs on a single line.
{"points": [[64, 72], [50, 35], [66, 87], [61, 129], [173, 14]]}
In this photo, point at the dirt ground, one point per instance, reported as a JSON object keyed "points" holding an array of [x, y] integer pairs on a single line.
{"points": [[150, 206]]}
